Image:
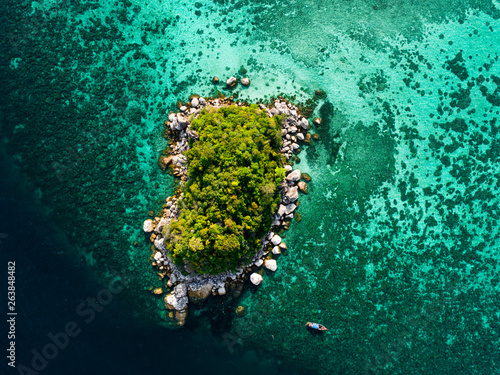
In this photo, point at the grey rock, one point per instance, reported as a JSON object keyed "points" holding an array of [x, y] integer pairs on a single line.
{"points": [[281, 210], [178, 303], [294, 176], [282, 107], [200, 292], [160, 244], [179, 160], [180, 290], [292, 194], [192, 134], [290, 208], [183, 121], [304, 123], [161, 224]]}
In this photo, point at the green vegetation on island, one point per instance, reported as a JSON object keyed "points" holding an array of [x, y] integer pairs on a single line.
{"points": [[232, 192]]}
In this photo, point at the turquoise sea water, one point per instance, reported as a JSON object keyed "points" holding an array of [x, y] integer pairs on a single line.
{"points": [[398, 248]]}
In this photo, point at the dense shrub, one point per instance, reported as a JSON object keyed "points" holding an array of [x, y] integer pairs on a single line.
{"points": [[234, 172]]}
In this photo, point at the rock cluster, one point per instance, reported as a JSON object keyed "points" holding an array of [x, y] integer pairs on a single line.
{"points": [[187, 285]]}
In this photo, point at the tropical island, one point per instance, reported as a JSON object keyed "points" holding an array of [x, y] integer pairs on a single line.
{"points": [[237, 190], [234, 172]]}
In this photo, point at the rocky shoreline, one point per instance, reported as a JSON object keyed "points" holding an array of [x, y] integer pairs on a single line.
{"points": [[195, 288]]}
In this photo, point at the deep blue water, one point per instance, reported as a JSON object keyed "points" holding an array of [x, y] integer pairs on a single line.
{"points": [[52, 282]]}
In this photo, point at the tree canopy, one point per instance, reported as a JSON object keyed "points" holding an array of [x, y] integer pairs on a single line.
{"points": [[234, 172]]}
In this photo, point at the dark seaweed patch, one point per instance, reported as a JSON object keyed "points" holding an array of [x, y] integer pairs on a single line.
{"points": [[457, 67]]}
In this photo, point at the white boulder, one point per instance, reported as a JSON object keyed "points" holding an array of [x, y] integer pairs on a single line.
{"points": [[256, 279], [231, 82], [271, 264], [276, 240], [148, 226]]}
